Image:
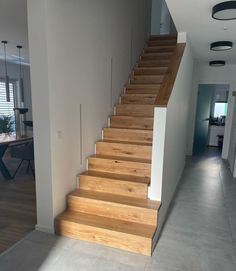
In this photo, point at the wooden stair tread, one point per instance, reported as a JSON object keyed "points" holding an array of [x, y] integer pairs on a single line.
{"points": [[152, 68], [143, 86], [123, 200], [141, 91], [125, 142], [157, 54], [151, 85], [161, 42], [124, 149], [120, 177], [108, 223], [127, 129], [154, 63], [139, 110], [133, 117], [147, 76], [128, 135], [136, 160], [139, 95], [158, 49], [131, 122], [149, 71], [160, 62]]}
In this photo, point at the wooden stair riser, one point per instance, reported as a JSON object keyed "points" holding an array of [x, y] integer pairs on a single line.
{"points": [[134, 110], [112, 186], [152, 87], [150, 71], [112, 210], [163, 37], [124, 150], [129, 242], [131, 122], [138, 99], [119, 166], [141, 91], [154, 43], [129, 135], [146, 79], [156, 56], [154, 63], [159, 49]]}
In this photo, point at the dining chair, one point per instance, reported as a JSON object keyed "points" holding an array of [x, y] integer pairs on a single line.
{"points": [[25, 152]]}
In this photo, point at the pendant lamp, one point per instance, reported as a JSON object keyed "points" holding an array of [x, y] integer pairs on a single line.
{"points": [[21, 83], [4, 42]]}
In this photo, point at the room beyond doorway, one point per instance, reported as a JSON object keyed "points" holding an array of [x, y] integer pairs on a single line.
{"points": [[211, 116]]}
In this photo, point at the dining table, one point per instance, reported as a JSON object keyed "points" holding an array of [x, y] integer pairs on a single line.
{"points": [[6, 141]]}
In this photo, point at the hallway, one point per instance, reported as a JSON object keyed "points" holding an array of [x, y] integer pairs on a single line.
{"points": [[199, 235]]}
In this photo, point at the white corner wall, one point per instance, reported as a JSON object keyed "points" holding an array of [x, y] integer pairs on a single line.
{"points": [[81, 53], [204, 74], [173, 146]]}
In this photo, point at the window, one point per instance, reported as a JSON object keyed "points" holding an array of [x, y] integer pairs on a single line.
{"points": [[6, 108], [220, 109]]}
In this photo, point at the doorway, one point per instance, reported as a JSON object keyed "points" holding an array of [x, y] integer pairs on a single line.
{"points": [[212, 105]]}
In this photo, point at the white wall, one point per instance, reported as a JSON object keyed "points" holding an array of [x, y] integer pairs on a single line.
{"points": [[176, 131], [204, 74], [71, 47], [170, 137], [173, 149]]}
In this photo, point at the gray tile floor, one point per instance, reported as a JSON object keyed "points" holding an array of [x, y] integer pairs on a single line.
{"points": [[200, 233]]}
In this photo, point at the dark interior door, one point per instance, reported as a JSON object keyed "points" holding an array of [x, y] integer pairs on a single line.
{"points": [[205, 96]]}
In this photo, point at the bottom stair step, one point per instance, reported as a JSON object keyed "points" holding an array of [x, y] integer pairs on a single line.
{"points": [[130, 236]]}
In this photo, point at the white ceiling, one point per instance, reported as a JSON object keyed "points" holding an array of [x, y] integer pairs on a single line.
{"points": [[13, 28], [191, 16], [194, 17]]}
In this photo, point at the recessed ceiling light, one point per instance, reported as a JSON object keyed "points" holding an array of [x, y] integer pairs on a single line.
{"points": [[224, 11], [217, 63], [221, 45]]}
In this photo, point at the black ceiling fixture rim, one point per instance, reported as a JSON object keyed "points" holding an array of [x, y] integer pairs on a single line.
{"points": [[216, 44], [217, 63], [221, 7]]}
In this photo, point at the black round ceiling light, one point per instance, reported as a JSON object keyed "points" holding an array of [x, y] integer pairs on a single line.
{"points": [[221, 45], [217, 63], [224, 11]]}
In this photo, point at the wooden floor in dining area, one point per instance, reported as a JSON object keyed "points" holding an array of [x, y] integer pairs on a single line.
{"points": [[17, 205]]}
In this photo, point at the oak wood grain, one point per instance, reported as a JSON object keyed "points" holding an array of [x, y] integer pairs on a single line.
{"points": [[169, 79]]}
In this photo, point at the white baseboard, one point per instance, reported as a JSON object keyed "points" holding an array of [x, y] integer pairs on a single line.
{"points": [[44, 229]]}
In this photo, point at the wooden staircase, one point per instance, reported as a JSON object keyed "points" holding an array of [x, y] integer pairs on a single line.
{"points": [[111, 205]]}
